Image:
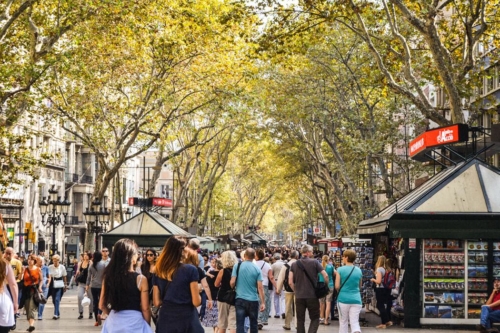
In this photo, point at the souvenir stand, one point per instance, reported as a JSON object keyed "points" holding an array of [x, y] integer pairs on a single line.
{"points": [[449, 231], [364, 260], [333, 247]]}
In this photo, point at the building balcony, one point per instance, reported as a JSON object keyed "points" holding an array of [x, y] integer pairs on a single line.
{"points": [[76, 178], [72, 220]]}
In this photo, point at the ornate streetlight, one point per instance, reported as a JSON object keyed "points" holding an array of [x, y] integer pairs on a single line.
{"points": [[97, 219], [58, 208]]}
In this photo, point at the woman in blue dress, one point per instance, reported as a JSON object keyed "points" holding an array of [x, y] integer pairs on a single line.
{"points": [[175, 289]]}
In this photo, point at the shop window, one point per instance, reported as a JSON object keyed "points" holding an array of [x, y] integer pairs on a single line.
{"points": [[456, 276]]}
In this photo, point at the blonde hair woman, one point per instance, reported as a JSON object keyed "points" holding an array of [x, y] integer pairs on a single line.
{"points": [[382, 294], [325, 302], [57, 272], [227, 312]]}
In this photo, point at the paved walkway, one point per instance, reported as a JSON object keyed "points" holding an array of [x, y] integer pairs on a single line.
{"points": [[69, 323]]}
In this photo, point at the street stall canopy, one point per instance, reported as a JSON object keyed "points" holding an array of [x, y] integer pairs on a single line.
{"points": [[255, 238], [147, 229], [462, 200]]}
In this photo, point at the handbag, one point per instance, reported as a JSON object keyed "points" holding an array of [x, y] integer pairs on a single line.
{"points": [[229, 296], [321, 289], [58, 284], [38, 296]]}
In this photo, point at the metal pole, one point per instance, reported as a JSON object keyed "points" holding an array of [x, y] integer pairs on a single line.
{"points": [[96, 231], [53, 233], [20, 232]]}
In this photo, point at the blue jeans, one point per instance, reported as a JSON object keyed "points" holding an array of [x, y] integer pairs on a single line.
{"points": [[248, 309], [56, 300], [45, 291], [489, 316]]}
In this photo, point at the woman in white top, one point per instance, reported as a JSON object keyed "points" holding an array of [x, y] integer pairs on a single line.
{"points": [[8, 302], [58, 283]]}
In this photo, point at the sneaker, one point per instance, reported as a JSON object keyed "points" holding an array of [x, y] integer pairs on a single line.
{"points": [[40, 318], [55, 317], [277, 316], [90, 316], [80, 316], [260, 326], [18, 315]]}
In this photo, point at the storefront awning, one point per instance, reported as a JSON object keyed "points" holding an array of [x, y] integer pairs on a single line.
{"points": [[373, 226], [449, 225]]}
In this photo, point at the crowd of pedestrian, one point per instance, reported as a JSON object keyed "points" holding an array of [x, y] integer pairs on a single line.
{"points": [[183, 289]]}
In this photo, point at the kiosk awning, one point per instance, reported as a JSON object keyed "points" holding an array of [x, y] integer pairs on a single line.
{"points": [[449, 225], [445, 206]]}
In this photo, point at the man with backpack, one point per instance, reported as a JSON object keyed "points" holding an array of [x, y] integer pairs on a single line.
{"points": [[282, 284]]}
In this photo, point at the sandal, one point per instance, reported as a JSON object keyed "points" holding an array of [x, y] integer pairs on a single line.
{"points": [[381, 326], [389, 323]]}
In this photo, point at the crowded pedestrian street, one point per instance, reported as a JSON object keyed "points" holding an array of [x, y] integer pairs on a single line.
{"points": [[68, 322]]}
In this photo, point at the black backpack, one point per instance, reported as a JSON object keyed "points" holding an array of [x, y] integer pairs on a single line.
{"points": [[285, 282]]}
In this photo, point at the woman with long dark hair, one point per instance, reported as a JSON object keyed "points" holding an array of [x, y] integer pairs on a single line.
{"points": [[175, 288], [81, 279], [94, 282], [148, 268], [124, 293]]}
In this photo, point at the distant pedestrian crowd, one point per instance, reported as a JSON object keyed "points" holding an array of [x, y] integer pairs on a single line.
{"points": [[183, 289]]}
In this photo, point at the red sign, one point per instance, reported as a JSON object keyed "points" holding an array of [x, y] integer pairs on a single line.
{"points": [[163, 202], [439, 136], [131, 201]]}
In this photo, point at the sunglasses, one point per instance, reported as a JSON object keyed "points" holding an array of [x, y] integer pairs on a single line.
{"points": [[104, 251], [150, 255]]}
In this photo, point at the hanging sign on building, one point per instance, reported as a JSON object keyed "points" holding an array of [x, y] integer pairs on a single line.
{"points": [[438, 137], [162, 202]]}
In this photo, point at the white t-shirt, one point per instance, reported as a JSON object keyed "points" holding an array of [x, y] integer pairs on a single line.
{"points": [[57, 272], [264, 269], [382, 271]]}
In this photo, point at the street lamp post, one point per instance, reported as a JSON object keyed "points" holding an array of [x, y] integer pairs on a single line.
{"points": [[97, 219], [58, 208]]}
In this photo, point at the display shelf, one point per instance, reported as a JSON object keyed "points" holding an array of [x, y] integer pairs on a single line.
{"points": [[444, 278]]}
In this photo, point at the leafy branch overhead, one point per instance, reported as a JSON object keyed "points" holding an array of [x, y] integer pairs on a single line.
{"points": [[412, 43]]}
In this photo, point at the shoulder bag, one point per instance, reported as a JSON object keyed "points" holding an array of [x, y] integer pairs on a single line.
{"points": [[229, 296], [38, 296], [320, 289]]}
